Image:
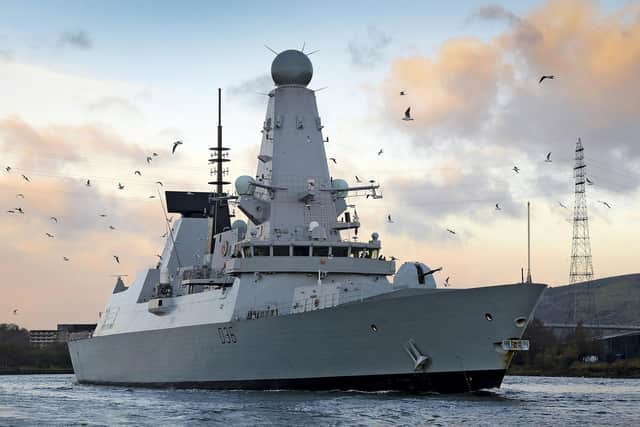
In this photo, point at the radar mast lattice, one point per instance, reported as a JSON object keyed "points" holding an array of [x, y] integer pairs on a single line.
{"points": [[581, 267]]}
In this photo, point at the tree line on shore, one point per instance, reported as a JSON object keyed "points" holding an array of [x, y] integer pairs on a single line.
{"points": [[17, 353]]}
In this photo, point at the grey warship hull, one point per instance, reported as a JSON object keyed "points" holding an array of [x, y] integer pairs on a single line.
{"points": [[363, 345]]}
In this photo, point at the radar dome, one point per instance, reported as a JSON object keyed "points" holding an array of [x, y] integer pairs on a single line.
{"points": [[245, 185], [340, 184], [291, 67], [241, 226]]}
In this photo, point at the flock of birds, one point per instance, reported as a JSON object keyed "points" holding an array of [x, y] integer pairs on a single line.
{"points": [[54, 220]]}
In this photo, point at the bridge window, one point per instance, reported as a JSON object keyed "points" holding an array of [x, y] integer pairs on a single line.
{"points": [[321, 251], [281, 251], [261, 251], [340, 251], [301, 251], [246, 251], [357, 252]]}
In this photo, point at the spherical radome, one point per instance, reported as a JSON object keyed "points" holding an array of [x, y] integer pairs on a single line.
{"points": [[340, 184], [291, 67], [245, 185]]}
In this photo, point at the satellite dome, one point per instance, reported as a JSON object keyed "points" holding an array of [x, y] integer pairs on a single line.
{"points": [[245, 185], [291, 67]]}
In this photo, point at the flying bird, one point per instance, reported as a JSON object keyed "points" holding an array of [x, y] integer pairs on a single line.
{"points": [[149, 159], [333, 159], [138, 173], [20, 195], [152, 197], [446, 282], [88, 183], [604, 203], [26, 178], [589, 181], [550, 77], [451, 231], [120, 186], [548, 159], [163, 236], [516, 169], [19, 210], [358, 179], [159, 256], [103, 215], [54, 219], [562, 205], [175, 145], [65, 258], [380, 152], [154, 154], [407, 115], [116, 258], [49, 234], [11, 211], [159, 183], [498, 207], [389, 220], [111, 227], [8, 168], [15, 312], [402, 93]]}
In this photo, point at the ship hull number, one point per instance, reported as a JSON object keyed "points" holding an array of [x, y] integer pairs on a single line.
{"points": [[227, 336]]}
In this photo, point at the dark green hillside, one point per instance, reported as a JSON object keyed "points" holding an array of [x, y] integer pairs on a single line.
{"points": [[608, 301]]}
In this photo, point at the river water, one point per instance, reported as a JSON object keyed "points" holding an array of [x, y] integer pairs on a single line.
{"points": [[58, 400]]}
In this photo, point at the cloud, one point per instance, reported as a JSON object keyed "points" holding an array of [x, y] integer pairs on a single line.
{"points": [[114, 103], [78, 39], [371, 52], [251, 90], [485, 93]]}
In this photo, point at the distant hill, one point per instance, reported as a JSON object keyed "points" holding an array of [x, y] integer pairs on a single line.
{"points": [[608, 301]]}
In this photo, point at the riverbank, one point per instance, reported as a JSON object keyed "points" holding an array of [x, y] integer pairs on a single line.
{"points": [[619, 369]]}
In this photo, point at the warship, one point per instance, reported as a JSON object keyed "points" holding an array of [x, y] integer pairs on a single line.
{"points": [[293, 298]]}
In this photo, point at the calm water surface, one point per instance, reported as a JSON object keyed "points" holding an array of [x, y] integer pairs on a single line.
{"points": [[58, 400]]}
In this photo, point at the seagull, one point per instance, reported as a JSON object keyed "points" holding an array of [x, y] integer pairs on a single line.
{"points": [[154, 154], [15, 312], [54, 219], [604, 203], [116, 258], [19, 210], [159, 183], [380, 152], [498, 207], [159, 256], [516, 169], [120, 186], [562, 205], [589, 181], [163, 236], [138, 173], [358, 179], [333, 159], [26, 178], [446, 282], [152, 197], [389, 220], [407, 115], [111, 227], [149, 159], [103, 215], [545, 77], [65, 258], [11, 211], [49, 234], [451, 231], [402, 93], [548, 159], [20, 195], [8, 168], [88, 183], [175, 145]]}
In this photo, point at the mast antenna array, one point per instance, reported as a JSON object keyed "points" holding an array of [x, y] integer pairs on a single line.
{"points": [[581, 266]]}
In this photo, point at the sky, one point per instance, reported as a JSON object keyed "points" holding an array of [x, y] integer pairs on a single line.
{"points": [[89, 89]]}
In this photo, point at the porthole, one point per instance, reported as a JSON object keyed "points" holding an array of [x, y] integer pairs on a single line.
{"points": [[520, 322], [374, 328], [488, 316]]}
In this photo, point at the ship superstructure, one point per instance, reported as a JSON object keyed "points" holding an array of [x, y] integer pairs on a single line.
{"points": [[285, 300]]}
